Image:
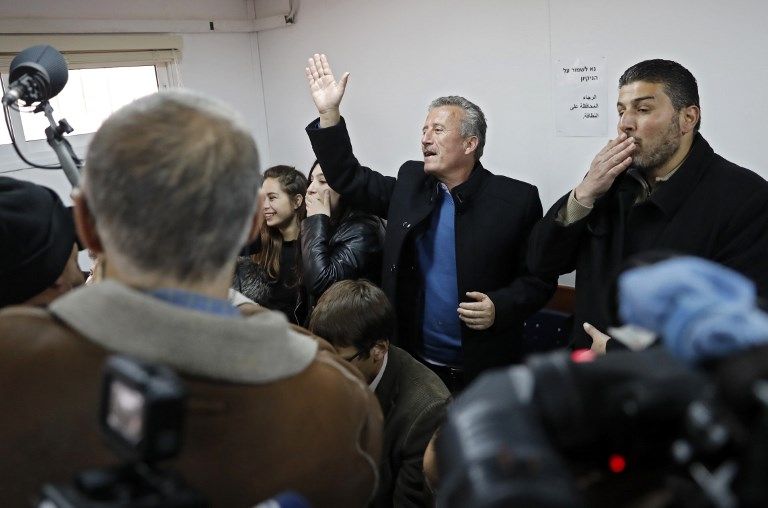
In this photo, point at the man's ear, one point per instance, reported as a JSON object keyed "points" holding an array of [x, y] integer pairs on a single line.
{"points": [[470, 144], [256, 220], [689, 117], [380, 349], [85, 224]]}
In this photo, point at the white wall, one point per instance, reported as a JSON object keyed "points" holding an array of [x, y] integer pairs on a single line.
{"points": [[226, 66], [403, 53], [498, 53]]}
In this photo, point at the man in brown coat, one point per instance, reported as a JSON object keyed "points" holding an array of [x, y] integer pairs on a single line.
{"points": [[168, 198]]}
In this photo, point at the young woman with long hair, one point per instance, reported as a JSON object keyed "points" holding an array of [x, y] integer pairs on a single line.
{"points": [[271, 275]]}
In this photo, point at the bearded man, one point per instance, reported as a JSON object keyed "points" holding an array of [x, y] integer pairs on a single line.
{"points": [[658, 185]]}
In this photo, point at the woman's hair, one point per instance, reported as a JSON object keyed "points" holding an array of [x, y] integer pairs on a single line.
{"points": [[292, 183], [341, 209]]}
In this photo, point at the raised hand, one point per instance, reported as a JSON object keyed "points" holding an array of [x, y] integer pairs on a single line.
{"points": [[326, 91], [609, 163]]}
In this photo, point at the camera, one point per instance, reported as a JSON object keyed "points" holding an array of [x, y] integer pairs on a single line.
{"points": [[609, 431], [141, 415], [142, 410]]}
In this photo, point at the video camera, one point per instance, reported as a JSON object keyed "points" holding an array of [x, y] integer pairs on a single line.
{"points": [[609, 431], [141, 414]]}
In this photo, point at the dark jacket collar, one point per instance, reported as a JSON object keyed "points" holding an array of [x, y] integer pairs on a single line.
{"points": [[464, 192], [670, 195]]}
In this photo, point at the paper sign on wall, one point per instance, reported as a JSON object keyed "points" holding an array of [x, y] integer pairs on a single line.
{"points": [[580, 97]]}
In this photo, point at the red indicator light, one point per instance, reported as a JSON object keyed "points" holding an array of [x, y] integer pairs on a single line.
{"points": [[617, 463], [583, 356]]}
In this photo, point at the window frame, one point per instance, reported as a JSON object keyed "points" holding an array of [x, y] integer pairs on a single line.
{"points": [[121, 51]]}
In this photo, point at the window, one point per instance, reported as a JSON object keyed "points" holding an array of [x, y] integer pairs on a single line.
{"points": [[90, 96], [105, 73]]}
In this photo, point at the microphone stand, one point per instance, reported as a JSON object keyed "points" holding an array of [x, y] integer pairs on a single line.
{"points": [[70, 163]]}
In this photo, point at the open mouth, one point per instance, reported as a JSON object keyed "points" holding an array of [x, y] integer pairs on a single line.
{"points": [[428, 153], [268, 216]]}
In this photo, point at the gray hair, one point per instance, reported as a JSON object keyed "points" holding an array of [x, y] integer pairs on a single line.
{"points": [[473, 123], [172, 182]]}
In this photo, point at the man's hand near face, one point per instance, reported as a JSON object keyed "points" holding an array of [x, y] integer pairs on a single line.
{"points": [[318, 203], [326, 92], [479, 314], [609, 163]]}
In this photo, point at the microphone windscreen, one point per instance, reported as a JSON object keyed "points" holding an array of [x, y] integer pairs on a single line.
{"points": [[46, 57]]}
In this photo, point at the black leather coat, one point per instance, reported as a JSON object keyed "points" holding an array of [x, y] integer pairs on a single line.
{"points": [[350, 250]]}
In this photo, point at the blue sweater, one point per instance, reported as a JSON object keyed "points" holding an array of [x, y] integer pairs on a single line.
{"points": [[437, 262]]}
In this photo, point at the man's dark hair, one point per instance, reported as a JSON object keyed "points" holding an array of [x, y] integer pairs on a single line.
{"points": [[679, 83], [353, 313]]}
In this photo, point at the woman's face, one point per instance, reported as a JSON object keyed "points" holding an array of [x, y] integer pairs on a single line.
{"points": [[279, 207], [318, 185]]}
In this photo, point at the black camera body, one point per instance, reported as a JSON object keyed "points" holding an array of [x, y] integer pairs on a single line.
{"points": [[142, 410], [141, 414], [556, 433]]}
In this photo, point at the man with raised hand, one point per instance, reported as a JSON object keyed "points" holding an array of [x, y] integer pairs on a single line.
{"points": [[454, 252]]}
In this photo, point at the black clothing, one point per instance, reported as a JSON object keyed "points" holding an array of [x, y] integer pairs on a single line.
{"points": [[37, 234], [350, 249], [494, 216], [285, 294], [709, 208]]}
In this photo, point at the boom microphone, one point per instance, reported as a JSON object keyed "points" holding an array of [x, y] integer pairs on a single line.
{"points": [[37, 74]]}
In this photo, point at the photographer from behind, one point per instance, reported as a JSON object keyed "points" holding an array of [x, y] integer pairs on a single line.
{"points": [[168, 198]]}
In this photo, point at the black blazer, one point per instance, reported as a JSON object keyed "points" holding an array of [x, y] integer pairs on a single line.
{"points": [[709, 208], [494, 216]]}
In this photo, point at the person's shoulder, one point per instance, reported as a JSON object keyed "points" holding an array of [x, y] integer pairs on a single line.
{"points": [[36, 330], [509, 190], [507, 183], [248, 270], [356, 221], [737, 175], [24, 317], [417, 382], [411, 170]]}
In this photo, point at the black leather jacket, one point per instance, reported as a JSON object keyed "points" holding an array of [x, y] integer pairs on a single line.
{"points": [[349, 250]]}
